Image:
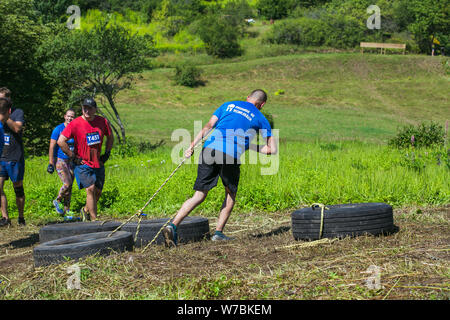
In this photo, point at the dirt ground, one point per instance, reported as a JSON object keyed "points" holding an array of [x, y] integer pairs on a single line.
{"points": [[264, 262]]}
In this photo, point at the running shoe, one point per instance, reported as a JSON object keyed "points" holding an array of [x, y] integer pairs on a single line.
{"points": [[59, 207], [85, 216], [219, 236], [21, 221], [5, 222], [170, 235]]}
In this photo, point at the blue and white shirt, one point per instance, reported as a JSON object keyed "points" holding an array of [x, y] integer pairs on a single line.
{"points": [[55, 136], [239, 122]]}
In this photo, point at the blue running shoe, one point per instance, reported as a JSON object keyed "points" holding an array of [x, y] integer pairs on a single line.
{"points": [[59, 207], [170, 235], [219, 236]]}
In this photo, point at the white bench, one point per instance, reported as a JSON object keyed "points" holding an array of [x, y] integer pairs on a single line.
{"points": [[383, 46]]}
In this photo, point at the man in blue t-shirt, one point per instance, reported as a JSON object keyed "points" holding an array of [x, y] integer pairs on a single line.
{"points": [[12, 161], [57, 158], [235, 124], [5, 110]]}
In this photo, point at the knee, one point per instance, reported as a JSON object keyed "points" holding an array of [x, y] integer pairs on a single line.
{"points": [[200, 196], [91, 189]]}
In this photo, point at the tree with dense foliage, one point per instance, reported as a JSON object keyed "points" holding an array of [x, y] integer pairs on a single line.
{"points": [[221, 37], [101, 61], [20, 36]]}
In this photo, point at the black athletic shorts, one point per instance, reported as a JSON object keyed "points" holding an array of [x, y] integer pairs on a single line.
{"points": [[214, 164]]}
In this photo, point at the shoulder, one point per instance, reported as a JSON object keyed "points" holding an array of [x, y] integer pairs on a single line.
{"points": [[58, 129], [99, 120], [16, 114], [75, 122]]}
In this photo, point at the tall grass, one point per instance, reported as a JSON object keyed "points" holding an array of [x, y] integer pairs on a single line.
{"points": [[329, 173]]}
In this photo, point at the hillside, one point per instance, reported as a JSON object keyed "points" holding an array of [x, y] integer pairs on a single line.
{"points": [[326, 96]]}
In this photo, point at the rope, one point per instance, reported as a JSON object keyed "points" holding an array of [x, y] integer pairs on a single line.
{"points": [[141, 211], [322, 207], [316, 242]]}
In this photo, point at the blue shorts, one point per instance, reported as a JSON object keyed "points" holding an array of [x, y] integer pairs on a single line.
{"points": [[12, 170], [87, 176]]}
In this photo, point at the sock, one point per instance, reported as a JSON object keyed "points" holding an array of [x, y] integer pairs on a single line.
{"points": [[219, 233], [173, 226]]}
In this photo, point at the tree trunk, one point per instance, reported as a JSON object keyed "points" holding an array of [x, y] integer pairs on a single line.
{"points": [[119, 121], [113, 127]]}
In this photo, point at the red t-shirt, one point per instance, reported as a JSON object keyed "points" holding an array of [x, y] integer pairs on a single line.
{"points": [[88, 138]]}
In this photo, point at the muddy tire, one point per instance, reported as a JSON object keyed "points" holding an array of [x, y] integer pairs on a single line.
{"points": [[76, 247], [345, 220], [63, 230], [191, 229]]}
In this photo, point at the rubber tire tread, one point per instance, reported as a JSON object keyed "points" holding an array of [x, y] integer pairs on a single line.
{"points": [[342, 221], [78, 246], [191, 229], [63, 230]]}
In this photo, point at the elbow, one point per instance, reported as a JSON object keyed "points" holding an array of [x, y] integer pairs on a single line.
{"points": [[60, 143]]}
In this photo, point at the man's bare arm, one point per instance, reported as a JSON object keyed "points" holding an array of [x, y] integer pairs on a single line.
{"points": [[15, 126], [203, 133], [51, 152]]}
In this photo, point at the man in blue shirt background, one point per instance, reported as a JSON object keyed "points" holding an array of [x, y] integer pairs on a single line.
{"points": [[12, 160], [235, 124], [5, 110], [64, 167]]}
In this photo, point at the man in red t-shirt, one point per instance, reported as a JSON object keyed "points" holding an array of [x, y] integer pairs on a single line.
{"points": [[88, 132]]}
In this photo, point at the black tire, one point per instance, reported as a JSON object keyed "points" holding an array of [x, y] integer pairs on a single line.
{"points": [[63, 230], [76, 247], [191, 229], [344, 220]]}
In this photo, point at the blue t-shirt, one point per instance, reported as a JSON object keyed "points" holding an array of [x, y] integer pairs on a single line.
{"points": [[2, 137], [55, 136], [239, 122]]}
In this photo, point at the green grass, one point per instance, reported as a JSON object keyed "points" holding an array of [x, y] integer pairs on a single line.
{"points": [[334, 120], [336, 114], [330, 173]]}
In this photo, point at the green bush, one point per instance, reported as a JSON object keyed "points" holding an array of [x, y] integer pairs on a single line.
{"points": [[269, 118], [423, 135], [303, 31], [327, 30], [275, 9], [188, 75], [220, 37]]}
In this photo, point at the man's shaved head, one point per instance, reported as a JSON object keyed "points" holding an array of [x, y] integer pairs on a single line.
{"points": [[258, 96]]}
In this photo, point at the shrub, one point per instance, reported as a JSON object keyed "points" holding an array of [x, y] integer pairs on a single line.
{"points": [[302, 31], [274, 9], [188, 75], [423, 135], [329, 30], [219, 36], [269, 118]]}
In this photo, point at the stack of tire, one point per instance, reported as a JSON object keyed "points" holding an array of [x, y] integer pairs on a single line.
{"points": [[343, 220], [61, 241]]}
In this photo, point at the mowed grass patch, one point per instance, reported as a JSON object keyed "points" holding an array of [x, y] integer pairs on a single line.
{"points": [[326, 96]]}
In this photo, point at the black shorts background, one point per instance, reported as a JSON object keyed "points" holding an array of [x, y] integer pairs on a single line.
{"points": [[214, 164]]}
